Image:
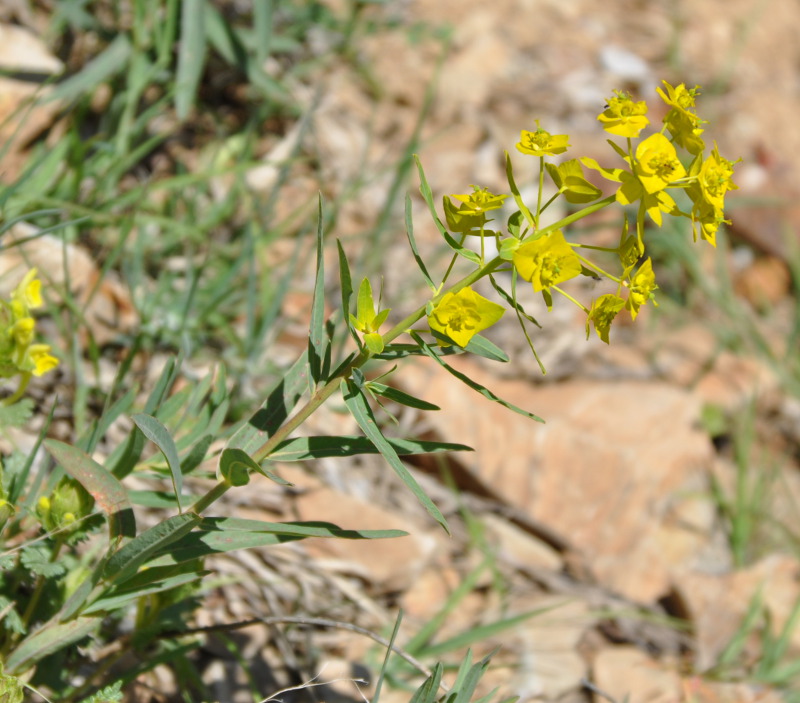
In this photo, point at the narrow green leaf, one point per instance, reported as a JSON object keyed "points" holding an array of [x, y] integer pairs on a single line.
{"points": [[413, 244], [236, 464], [511, 300], [317, 339], [481, 346], [124, 563], [427, 196], [113, 59], [157, 499], [119, 599], [46, 641], [480, 633], [485, 392], [196, 545], [294, 529], [160, 436], [275, 409], [108, 492], [359, 408], [392, 352], [346, 283], [400, 397], [191, 55], [428, 692], [306, 448], [523, 208]]}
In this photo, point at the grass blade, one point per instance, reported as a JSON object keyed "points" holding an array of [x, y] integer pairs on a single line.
{"points": [[191, 56], [317, 339]]}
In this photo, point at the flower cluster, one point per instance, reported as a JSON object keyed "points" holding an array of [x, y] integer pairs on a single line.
{"points": [[666, 162], [18, 353]]}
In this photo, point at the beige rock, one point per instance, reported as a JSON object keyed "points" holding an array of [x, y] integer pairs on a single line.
{"points": [[718, 603], [628, 674], [549, 664], [518, 547], [601, 472]]}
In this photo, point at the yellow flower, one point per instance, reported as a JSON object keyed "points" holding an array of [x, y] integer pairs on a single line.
{"points": [[657, 164], [681, 121], [459, 222], [542, 143], [623, 116], [460, 316], [602, 313], [642, 286], [547, 261], [715, 179], [29, 291], [42, 360], [479, 201]]}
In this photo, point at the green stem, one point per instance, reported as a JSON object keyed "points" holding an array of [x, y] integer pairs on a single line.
{"points": [[39, 588], [541, 188], [569, 297], [591, 265], [23, 384]]}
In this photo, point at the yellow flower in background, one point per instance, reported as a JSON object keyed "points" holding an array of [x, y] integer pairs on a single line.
{"points": [[547, 261], [657, 164], [41, 358], [714, 179], [602, 313], [623, 116], [642, 286], [460, 316], [29, 291], [542, 143], [682, 121]]}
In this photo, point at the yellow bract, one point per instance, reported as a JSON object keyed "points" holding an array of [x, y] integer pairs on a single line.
{"points": [[602, 313], [623, 116], [657, 164], [542, 143], [641, 288], [460, 316], [547, 261]]}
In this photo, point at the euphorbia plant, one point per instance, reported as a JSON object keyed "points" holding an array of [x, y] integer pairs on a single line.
{"points": [[161, 565]]}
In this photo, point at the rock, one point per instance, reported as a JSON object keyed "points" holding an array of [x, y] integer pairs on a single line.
{"points": [[717, 604], [603, 472], [549, 663], [628, 674]]}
